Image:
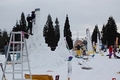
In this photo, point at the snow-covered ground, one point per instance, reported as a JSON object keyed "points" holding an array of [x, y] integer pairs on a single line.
{"points": [[45, 61]]}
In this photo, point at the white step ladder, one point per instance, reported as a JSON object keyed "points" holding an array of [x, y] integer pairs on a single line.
{"points": [[15, 70]]}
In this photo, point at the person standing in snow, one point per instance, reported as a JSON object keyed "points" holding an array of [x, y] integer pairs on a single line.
{"points": [[110, 51], [84, 52], [78, 47]]}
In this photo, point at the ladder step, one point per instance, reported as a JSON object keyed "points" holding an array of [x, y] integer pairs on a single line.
{"points": [[23, 70], [17, 32], [20, 61], [13, 72], [15, 42], [24, 55], [14, 52], [17, 61]]}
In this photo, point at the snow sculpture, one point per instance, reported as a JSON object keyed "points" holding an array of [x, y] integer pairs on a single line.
{"points": [[89, 42]]}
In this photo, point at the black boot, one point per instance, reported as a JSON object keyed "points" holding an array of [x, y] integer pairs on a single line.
{"points": [[31, 33]]}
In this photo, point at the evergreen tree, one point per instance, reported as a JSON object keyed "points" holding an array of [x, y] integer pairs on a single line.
{"points": [[111, 31], [50, 30], [57, 31], [67, 34], [0, 33], [23, 22], [118, 35], [45, 32], [103, 33], [5, 35], [17, 27], [67, 31], [1, 41], [95, 34], [21, 26], [49, 33], [4, 38]]}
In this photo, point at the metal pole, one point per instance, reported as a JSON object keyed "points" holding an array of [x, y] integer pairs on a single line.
{"points": [[6, 58], [2, 70], [28, 60], [21, 55], [13, 44]]}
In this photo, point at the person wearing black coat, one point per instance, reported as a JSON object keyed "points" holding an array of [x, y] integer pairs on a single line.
{"points": [[29, 20], [33, 16]]}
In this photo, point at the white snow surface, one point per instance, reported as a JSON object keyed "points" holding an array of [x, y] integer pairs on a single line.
{"points": [[42, 60]]}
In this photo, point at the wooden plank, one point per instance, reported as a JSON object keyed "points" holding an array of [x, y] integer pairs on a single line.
{"points": [[39, 77]]}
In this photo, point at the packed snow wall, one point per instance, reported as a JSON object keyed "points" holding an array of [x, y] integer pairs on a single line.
{"points": [[36, 40], [89, 42]]}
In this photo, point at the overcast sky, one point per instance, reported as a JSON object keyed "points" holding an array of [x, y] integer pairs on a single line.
{"points": [[82, 13]]}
